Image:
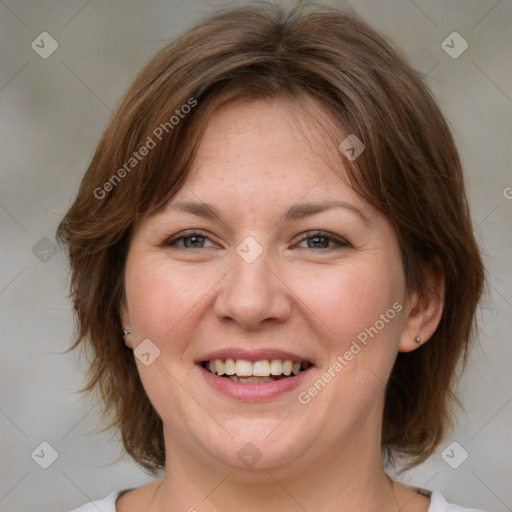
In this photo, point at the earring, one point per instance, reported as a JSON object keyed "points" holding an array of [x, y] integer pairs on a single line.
{"points": [[125, 333], [417, 340]]}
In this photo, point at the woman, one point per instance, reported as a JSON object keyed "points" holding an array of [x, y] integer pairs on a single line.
{"points": [[266, 263]]}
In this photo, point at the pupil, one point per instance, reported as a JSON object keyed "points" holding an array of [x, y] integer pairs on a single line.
{"points": [[315, 242], [195, 241]]}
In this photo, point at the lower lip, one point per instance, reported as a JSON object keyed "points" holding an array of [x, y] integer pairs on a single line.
{"points": [[253, 392]]}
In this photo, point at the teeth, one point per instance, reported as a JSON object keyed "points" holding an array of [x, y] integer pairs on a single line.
{"points": [[260, 370], [230, 367], [276, 367], [219, 367], [287, 367], [250, 380], [243, 368]]}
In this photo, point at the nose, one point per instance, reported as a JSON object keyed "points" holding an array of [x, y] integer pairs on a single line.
{"points": [[253, 294]]}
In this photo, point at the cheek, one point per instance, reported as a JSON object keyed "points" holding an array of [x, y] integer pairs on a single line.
{"points": [[164, 297], [356, 309], [346, 299]]}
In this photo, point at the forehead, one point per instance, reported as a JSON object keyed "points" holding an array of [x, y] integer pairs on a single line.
{"points": [[262, 158], [277, 141]]}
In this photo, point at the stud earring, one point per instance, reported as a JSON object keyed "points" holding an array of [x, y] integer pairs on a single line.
{"points": [[417, 340], [125, 333]]}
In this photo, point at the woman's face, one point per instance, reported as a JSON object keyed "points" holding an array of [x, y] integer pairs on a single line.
{"points": [[266, 255]]}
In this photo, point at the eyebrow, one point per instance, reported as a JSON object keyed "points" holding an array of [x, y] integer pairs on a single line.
{"points": [[294, 213]]}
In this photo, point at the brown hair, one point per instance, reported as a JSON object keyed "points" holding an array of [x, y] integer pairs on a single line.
{"points": [[410, 170]]}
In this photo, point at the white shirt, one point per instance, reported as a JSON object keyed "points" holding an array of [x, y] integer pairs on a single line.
{"points": [[437, 504]]}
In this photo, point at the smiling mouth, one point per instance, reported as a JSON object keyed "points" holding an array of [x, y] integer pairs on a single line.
{"points": [[249, 372]]}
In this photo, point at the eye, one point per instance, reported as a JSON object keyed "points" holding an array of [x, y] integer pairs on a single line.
{"points": [[322, 240], [194, 239], [189, 240]]}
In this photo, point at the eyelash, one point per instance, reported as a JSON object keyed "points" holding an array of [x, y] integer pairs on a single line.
{"points": [[308, 235]]}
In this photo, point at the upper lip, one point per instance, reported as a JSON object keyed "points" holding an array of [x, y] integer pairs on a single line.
{"points": [[252, 355]]}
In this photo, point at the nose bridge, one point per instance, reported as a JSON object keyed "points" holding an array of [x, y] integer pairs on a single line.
{"points": [[251, 293]]}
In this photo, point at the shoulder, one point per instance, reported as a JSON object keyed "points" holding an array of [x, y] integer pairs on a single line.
{"points": [[439, 504], [437, 500], [107, 504], [126, 500]]}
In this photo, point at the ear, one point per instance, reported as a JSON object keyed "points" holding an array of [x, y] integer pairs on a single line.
{"points": [[424, 309], [125, 321]]}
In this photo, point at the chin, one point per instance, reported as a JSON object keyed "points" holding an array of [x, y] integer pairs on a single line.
{"points": [[259, 444]]}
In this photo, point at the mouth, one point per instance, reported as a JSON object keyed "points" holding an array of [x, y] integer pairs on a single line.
{"points": [[255, 372], [254, 375]]}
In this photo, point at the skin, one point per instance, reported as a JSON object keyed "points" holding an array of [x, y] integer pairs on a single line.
{"points": [[310, 296]]}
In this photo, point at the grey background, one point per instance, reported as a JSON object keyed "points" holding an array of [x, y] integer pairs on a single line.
{"points": [[52, 113]]}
